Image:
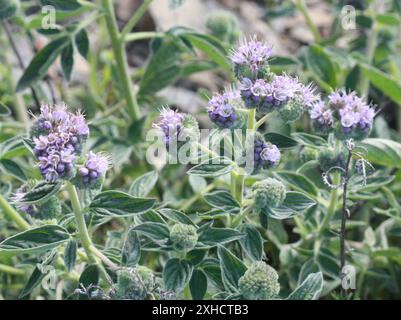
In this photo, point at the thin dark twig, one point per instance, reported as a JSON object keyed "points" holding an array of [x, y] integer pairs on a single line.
{"points": [[345, 211], [19, 58]]}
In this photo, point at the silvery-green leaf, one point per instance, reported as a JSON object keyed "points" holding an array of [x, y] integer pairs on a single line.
{"points": [[142, 186], [176, 274], [309, 289]]}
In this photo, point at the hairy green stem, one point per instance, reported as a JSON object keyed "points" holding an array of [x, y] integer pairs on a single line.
{"points": [[135, 18], [11, 270], [13, 215], [131, 37], [301, 6], [331, 209], [262, 121], [121, 59], [91, 251]]}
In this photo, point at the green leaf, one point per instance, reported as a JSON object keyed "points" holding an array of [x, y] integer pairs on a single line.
{"points": [[215, 236], [391, 20], [310, 289], [70, 255], [176, 216], [39, 65], [90, 276], [281, 141], [13, 168], [252, 242], [309, 139], [176, 274], [34, 280], [298, 182], [211, 47], [384, 82], [391, 253], [154, 230], [223, 200], [67, 61], [197, 183], [196, 66], [383, 152], [231, 268], [8, 8], [163, 67], [4, 110], [132, 249], [41, 192], [321, 66], [142, 186], [209, 169], [295, 203], [198, 284], [82, 43], [35, 241], [69, 5], [121, 204]]}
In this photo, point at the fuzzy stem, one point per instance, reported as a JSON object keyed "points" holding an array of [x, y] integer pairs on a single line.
{"points": [[301, 6], [262, 121], [80, 220], [91, 251], [11, 270], [135, 18], [13, 215], [131, 37], [331, 209], [121, 59], [251, 119]]}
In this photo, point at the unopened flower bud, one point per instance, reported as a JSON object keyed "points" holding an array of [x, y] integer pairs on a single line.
{"points": [[269, 192], [183, 236], [260, 282]]}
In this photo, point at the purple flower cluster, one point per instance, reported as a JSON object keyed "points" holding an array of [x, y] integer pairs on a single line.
{"points": [[170, 123], [95, 167], [269, 96], [252, 55], [322, 116], [61, 139], [265, 154], [222, 111], [354, 113], [347, 113]]}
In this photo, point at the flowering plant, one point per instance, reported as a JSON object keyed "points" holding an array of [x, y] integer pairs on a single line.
{"points": [[272, 191]]}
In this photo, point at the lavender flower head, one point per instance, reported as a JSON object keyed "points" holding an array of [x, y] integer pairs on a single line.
{"points": [[94, 168], [269, 96], [303, 98], [322, 116], [58, 136], [170, 124], [222, 110], [250, 58], [176, 127], [265, 154], [355, 116]]}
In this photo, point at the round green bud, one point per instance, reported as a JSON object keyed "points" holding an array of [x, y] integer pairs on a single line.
{"points": [[190, 130], [134, 284], [292, 111], [308, 154], [183, 236], [224, 26], [50, 209], [8, 8], [329, 158], [260, 282], [269, 192]]}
